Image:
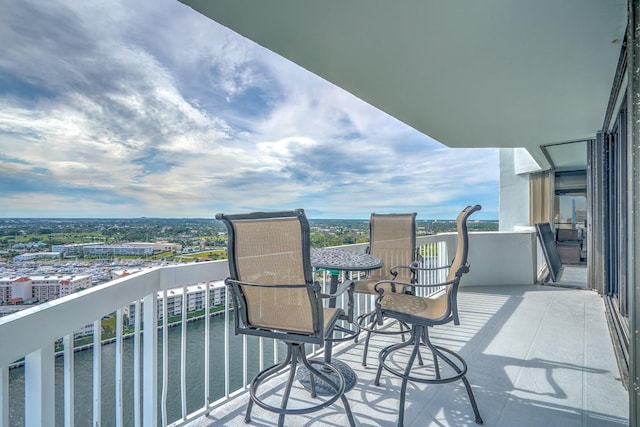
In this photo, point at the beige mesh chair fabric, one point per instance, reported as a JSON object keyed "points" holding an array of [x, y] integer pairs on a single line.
{"points": [[275, 296], [393, 241], [271, 275], [441, 306], [422, 313], [270, 253]]}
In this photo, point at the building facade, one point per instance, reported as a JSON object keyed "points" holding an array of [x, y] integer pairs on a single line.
{"points": [[195, 299], [40, 288], [133, 248], [28, 256]]}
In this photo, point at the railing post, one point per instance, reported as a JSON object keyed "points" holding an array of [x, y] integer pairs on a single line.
{"points": [[4, 396], [118, 374], [136, 365], [183, 353], [97, 373], [207, 329], [39, 387], [69, 381], [150, 361], [165, 358]]}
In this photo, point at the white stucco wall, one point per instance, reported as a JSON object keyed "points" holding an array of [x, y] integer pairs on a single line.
{"points": [[523, 162], [514, 191], [499, 258]]}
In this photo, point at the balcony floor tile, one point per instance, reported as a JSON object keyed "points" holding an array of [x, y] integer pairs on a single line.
{"points": [[537, 355]]}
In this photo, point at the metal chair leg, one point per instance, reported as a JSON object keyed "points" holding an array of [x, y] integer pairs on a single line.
{"points": [[385, 352], [367, 339], [260, 377], [474, 405], [434, 351], [373, 328], [287, 390], [405, 378], [420, 336], [464, 379], [295, 355]]}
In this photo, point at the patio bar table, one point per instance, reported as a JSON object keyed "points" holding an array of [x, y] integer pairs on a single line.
{"points": [[335, 261]]}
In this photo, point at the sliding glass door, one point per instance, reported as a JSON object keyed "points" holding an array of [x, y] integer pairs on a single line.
{"points": [[616, 230]]}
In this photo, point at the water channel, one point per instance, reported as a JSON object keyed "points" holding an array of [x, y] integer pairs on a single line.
{"points": [[194, 378]]}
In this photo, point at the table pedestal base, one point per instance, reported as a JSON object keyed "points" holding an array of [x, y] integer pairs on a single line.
{"points": [[323, 388]]}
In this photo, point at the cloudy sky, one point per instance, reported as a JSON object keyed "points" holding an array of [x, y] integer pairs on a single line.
{"points": [[146, 108]]}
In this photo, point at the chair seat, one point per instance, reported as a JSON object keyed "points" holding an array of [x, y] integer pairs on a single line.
{"points": [[294, 314], [415, 307]]}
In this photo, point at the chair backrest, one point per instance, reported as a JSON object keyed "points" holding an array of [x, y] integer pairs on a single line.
{"points": [[459, 265], [272, 249], [392, 239]]}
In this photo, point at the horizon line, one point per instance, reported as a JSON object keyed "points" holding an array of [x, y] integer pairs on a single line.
{"points": [[205, 218]]}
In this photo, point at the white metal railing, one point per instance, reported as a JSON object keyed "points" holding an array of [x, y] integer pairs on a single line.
{"points": [[31, 334]]}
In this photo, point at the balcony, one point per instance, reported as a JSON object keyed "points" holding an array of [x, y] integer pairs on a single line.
{"points": [[537, 355]]}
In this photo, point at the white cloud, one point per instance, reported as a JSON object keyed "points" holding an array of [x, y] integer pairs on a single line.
{"points": [[113, 109]]}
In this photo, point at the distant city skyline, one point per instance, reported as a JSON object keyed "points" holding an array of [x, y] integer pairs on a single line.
{"points": [[147, 109]]}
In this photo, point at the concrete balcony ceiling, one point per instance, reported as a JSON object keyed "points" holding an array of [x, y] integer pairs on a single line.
{"points": [[492, 73]]}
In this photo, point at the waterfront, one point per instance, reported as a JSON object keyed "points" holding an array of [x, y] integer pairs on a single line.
{"points": [[195, 375]]}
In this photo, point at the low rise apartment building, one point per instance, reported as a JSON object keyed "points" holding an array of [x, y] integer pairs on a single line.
{"points": [[131, 248], [40, 288], [30, 256], [195, 299]]}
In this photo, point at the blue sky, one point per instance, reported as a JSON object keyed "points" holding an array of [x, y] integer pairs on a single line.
{"points": [[146, 108]]}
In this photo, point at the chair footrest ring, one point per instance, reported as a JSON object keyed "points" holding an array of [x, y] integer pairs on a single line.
{"points": [[350, 333], [458, 364], [324, 374]]}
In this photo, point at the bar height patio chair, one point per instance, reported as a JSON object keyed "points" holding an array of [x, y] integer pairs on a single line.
{"points": [[275, 296], [423, 313], [392, 239]]}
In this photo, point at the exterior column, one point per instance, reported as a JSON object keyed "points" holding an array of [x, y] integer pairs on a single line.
{"points": [[633, 40]]}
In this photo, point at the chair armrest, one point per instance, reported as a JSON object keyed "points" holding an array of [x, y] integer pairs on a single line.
{"points": [[232, 282], [381, 292], [347, 286], [435, 285], [380, 289], [415, 267], [342, 288], [393, 283]]}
